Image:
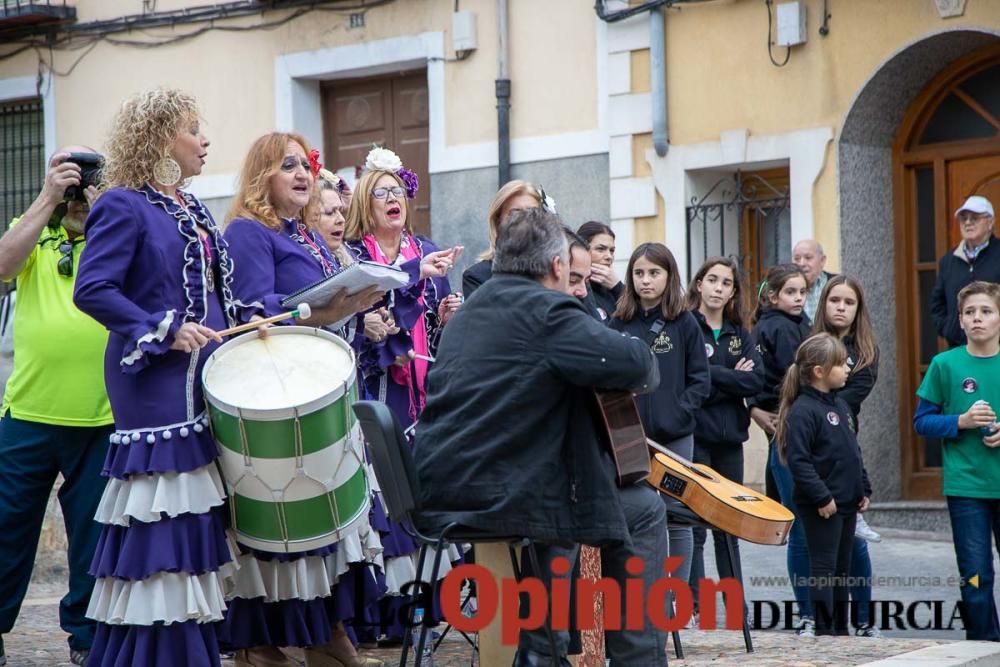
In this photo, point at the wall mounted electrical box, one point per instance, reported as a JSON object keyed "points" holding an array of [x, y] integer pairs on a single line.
{"points": [[463, 31], [791, 24]]}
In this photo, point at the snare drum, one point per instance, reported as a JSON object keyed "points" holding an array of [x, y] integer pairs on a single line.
{"points": [[289, 445]]}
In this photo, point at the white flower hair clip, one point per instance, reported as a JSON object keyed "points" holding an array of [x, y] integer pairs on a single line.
{"points": [[548, 203], [383, 159]]}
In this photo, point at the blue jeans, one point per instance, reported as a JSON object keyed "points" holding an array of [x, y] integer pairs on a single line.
{"points": [[975, 527], [31, 456], [798, 552]]}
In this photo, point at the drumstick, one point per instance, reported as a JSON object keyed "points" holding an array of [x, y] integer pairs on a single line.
{"points": [[302, 311]]}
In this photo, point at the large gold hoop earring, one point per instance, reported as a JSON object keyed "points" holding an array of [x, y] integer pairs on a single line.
{"points": [[166, 171]]}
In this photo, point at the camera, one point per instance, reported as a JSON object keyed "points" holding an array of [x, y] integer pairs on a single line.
{"points": [[90, 174]]}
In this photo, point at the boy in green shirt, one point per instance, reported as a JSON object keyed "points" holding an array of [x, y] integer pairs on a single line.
{"points": [[956, 400]]}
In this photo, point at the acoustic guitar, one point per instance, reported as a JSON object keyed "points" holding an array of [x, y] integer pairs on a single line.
{"points": [[626, 438], [720, 502], [726, 505]]}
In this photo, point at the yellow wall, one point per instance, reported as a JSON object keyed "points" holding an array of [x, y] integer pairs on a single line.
{"points": [[719, 76], [232, 73]]}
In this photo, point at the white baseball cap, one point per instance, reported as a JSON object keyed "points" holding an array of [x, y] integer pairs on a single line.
{"points": [[976, 204]]}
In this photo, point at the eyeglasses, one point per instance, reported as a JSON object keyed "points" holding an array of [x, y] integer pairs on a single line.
{"points": [[290, 164], [382, 193], [969, 216], [65, 264]]}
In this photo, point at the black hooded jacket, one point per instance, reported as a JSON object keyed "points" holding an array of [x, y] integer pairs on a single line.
{"points": [[777, 336], [669, 412], [724, 416], [822, 452]]}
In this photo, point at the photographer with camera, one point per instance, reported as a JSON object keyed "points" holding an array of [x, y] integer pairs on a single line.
{"points": [[55, 413]]}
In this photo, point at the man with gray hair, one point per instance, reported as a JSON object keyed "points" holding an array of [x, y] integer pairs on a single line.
{"points": [[977, 257], [808, 255], [509, 443]]}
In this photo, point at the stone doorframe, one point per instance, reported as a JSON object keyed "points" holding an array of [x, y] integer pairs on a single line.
{"points": [[803, 150]]}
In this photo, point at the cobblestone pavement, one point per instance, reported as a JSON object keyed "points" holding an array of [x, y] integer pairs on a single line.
{"points": [[37, 641], [919, 569]]}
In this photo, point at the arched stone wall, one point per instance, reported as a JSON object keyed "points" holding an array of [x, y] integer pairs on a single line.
{"points": [[865, 171]]}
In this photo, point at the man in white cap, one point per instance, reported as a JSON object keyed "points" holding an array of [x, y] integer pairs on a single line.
{"points": [[977, 257]]}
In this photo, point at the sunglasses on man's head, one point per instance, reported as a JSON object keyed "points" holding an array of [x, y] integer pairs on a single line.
{"points": [[65, 264]]}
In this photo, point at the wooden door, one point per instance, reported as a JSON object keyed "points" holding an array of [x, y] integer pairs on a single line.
{"points": [[765, 222], [387, 111], [975, 176], [948, 149]]}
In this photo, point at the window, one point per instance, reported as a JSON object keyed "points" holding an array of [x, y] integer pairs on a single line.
{"points": [[22, 156], [745, 214]]}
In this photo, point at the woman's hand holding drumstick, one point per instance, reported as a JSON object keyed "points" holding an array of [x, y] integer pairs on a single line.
{"points": [[257, 322], [192, 336]]}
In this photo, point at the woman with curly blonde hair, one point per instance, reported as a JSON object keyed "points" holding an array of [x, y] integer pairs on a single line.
{"points": [[276, 253], [513, 196], [156, 272]]}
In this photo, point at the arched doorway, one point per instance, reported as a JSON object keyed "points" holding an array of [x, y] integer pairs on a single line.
{"points": [[867, 174], [947, 148]]}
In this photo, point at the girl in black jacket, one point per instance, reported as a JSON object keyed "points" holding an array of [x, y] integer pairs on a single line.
{"points": [[780, 328], [717, 298], [816, 440], [842, 313], [604, 287], [652, 308]]}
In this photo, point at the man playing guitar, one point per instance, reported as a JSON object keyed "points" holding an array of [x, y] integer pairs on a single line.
{"points": [[509, 441]]}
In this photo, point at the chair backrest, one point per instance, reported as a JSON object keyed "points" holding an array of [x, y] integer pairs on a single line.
{"points": [[391, 459]]}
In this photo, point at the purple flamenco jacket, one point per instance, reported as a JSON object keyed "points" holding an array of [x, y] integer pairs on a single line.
{"points": [[376, 358]]}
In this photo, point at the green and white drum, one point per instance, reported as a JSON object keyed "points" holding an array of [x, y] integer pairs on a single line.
{"points": [[290, 447]]}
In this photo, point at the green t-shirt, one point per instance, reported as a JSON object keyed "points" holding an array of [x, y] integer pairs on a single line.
{"points": [[716, 333], [58, 373], [955, 380]]}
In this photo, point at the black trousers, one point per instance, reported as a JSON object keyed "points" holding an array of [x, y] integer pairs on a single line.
{"points": [[727, 460], [830, 544]]}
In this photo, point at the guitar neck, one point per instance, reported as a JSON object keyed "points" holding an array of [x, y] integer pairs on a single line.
{"points": [[660, 449]]}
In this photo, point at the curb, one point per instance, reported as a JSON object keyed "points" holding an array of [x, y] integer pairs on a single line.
{"points": [[919, 535], [954, 654]]}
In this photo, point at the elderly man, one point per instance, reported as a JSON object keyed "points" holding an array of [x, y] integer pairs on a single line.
{"points": [[977, 257], [508, 441], [808, 255], [55, 415]]}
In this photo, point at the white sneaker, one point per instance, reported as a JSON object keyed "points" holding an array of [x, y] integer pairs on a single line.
{"points": [[864, 531], [692, 623], [807, 628], [868, 631]]}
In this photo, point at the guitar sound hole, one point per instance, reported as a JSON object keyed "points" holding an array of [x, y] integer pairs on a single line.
{"points": [[673, 484]]}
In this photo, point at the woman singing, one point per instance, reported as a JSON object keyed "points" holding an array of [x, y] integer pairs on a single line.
{"points": [[394, 366], [275, 254]]}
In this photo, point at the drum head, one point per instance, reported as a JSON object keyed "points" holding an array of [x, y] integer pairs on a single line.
{"points": [[293, 367]]}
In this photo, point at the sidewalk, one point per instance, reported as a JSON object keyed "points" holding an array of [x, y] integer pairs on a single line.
{"points": [[922, 559]]}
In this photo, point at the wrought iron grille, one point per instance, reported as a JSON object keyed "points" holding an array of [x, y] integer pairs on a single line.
{"points": [[22, 156], [744, 216]]}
